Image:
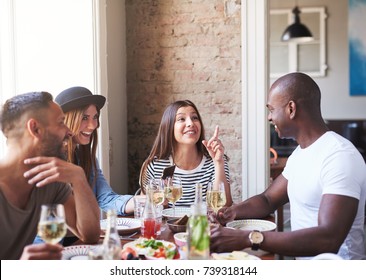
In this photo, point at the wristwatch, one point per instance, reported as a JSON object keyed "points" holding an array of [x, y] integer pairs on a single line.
{"points": [[256, 238]]}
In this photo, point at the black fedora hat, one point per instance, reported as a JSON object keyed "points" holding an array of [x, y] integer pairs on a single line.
{"points": [[78, 97]]}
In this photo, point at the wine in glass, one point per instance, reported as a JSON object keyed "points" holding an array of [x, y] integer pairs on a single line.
{"points": [[215, 196], [173, 190], [52, 225], [157, 188]]}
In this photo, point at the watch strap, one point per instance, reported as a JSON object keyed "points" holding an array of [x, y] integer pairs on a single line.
{"points": [[255, 246]]}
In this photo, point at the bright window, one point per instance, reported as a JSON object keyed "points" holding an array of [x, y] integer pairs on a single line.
{"points": [[46, 46]]}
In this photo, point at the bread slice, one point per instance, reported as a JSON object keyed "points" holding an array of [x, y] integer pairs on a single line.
{"points": [[235, 255], [182, 221]]}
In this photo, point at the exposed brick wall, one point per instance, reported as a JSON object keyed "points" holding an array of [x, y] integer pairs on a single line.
{"points": [[180, 49]]}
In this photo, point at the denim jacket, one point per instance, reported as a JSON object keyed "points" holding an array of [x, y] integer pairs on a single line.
{"points": [[106, 197]]}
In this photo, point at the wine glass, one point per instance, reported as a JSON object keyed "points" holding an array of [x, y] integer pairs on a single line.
{"points": [[215, 196], [173, 190], [156, 186], [52, 225], [156, 190]]}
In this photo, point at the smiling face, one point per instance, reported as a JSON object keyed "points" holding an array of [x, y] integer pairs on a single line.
{"points": [[187, 126], [89, 123], [277, 112]]}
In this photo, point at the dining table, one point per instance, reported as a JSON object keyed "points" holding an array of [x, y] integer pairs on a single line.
{"points": [[168, 235]]}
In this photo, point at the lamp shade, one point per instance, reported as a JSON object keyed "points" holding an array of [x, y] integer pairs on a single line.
{"points": [[297, 32]]}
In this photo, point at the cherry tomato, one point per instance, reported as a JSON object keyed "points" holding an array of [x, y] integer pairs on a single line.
{"points": [[160, 253], [177, 255], [126, 251]]}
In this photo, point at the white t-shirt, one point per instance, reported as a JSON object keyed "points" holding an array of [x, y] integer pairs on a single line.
{"points": [[331, 165]]}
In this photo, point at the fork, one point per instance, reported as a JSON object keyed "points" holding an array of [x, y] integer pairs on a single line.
{"points": [[125, 237], [128, 237]]}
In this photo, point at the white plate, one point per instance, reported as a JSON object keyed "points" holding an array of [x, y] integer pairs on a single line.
{"points": [[327, 256], [143, 251], [179, 212], [261, 225], [124, 225], [236, 255], [79, 252]]}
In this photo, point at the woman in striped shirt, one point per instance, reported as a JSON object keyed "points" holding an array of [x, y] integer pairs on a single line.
{"points": [[180, 141]]}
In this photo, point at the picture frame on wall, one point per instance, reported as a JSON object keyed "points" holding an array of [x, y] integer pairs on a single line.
{"points": [[357, 47]]}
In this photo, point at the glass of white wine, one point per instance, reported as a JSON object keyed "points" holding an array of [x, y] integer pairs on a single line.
{"points": [[215, 196], [173, 190], [52, 225], [156, 186]]}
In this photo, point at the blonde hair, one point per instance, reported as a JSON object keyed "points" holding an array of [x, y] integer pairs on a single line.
{"points": [[86, 153]]}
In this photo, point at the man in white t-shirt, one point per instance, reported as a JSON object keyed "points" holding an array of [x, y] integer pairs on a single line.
{"points": [[324, 180]]}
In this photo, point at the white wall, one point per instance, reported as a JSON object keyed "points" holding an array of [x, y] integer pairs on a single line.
{"points": [[117, 103], [336, 101]]}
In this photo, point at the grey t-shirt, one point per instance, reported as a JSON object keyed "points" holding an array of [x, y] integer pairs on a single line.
{"points": [[18, 227]]}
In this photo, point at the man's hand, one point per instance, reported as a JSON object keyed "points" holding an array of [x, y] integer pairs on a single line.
{"points": [[42, 252], [226, 239], [225, 215], [51, 169]]}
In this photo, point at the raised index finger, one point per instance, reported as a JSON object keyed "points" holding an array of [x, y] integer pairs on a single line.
{"points": [[216, 133], [214, 137]]}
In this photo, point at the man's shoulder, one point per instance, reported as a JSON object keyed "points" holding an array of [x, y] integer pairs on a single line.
{"points": [[336, 138]]}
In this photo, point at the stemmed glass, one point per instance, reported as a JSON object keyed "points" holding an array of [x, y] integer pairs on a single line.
{"points": [[157, 188], [173, 190], [215, 196], [52, 225]]}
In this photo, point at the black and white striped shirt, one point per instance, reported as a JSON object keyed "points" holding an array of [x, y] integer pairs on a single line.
{"points": [[202, 174]]}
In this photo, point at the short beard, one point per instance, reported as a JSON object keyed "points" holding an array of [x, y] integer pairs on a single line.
{"points": [[52, 147]]}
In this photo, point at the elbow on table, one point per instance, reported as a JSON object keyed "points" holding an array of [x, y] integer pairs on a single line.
{"points": [[331, 245], [90, 237]]}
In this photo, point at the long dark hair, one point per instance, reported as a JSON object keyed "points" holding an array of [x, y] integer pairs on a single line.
{"points": [[164, 142]]}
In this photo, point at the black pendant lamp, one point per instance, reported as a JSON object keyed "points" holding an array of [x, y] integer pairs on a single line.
{"points": [[297, 32]]}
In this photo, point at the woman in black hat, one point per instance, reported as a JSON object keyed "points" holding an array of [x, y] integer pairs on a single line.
{"points": [[82, 110]]}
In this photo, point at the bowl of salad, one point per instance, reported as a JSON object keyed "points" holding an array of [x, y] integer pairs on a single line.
{"points": [[154, 249]]}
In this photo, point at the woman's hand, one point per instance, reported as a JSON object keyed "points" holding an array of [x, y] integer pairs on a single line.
{"points": [[216, 152], [214, 146]]}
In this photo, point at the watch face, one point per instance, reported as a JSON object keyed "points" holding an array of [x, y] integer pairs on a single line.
{"points": [[256, 237]]}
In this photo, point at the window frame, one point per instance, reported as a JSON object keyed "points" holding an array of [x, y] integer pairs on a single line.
{"points": [[294, 47]]}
